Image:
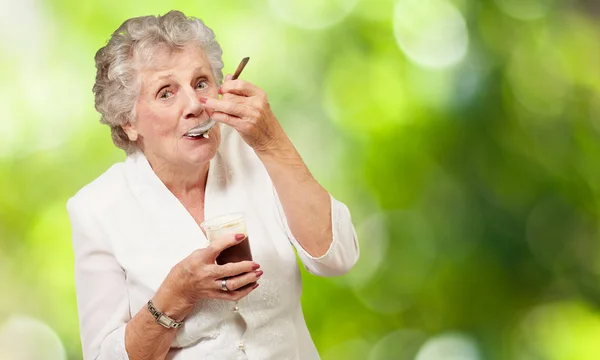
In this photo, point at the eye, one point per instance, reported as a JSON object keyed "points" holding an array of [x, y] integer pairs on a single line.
{"points": [[165, 94], [202, 84]]}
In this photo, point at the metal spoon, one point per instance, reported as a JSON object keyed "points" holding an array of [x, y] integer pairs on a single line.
{"points": [[204, 128]]}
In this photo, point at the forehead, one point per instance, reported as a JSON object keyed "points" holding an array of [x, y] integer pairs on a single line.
{"points": [[166, 61]]}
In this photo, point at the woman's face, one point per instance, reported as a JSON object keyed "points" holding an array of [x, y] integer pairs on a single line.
{"points": [[172, 84]]}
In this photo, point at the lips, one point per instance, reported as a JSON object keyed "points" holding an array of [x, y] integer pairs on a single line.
{"points": [[203, 135], [201, 129]]}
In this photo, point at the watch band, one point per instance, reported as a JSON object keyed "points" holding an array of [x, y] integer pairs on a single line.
{"points": [[163, 319]]}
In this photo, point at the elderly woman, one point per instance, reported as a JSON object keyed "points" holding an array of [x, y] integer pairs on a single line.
{"points": [[148, 283]]}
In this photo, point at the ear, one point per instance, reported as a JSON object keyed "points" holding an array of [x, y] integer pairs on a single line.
{"points": [[131, 131]]}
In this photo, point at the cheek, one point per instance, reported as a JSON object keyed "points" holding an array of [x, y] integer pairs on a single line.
{"points": [[157, 124]]}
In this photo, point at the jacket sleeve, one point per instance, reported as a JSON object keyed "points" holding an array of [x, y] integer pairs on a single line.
{"points": [[343, 251], [102, 298]]}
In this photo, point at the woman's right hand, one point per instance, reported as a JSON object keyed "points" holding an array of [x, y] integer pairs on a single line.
{"points": [[198, 277]]}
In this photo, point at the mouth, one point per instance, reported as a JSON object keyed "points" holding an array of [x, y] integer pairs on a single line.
{"points": [[200, 131]]}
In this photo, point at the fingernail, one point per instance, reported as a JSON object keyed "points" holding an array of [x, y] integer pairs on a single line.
{"points": [[255, 267], [203, 100], [240, 237], [255, 286], [259, 273]]}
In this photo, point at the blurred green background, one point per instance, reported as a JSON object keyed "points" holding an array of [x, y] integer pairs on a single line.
{"points": [[464, 136]]}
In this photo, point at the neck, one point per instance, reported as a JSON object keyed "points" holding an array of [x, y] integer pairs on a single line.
{"points": [[183, 180]]}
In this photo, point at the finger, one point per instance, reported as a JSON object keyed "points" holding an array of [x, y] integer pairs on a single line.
{"points": [[254, 102], [237, 282], [241, 293], [233, 295], [218, 245], [233, 121], [236, 98], [227, 106], [240, 125], [227, 78], [240, 87], [237, 268]]}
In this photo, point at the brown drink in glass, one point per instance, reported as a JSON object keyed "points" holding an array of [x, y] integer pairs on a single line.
{"points": [[227, 226]]}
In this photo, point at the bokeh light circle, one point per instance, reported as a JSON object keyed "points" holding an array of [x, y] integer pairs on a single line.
{"points": [[432, 33], [557, 331], [449, 346], [312, 14], [398, 345], [23, 337]]}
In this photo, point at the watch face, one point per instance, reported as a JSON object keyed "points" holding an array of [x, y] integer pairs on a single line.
{"points": [[165, 321]]}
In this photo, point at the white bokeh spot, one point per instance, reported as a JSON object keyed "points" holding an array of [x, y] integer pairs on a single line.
{"points": [[23, 337], [312, 14], [449, 346], [432, 33]]}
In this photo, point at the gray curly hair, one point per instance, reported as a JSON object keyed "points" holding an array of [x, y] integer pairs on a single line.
{"points": [[117, 85]]}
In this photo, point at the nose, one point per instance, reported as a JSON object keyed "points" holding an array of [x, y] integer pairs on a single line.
{"points": [[193, 107]]}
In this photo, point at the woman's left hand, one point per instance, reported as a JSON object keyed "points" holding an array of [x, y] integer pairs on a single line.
{"points": [[245, 107]]}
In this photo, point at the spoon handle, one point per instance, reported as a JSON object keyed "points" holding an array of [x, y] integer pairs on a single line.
{"points": [[240, 67]]}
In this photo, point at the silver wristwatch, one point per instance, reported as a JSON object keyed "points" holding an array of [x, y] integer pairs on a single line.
{"points": [[163, 319]]}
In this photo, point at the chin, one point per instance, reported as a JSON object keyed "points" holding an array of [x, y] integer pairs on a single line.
{"points": [[201, 151]]}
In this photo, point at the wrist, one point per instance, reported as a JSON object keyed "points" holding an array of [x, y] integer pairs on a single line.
{"points": [[169, 300], [172, 307], [281, 151], [273, 142], [162, 318]]}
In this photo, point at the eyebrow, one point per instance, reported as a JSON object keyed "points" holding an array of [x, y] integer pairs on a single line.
{"points": [[169, 76], [163, 77]]}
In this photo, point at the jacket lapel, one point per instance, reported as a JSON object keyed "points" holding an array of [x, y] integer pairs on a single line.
{"points": [[168, 232]]}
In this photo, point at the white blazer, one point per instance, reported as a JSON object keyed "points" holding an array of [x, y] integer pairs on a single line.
{"points": [[129, 230]]}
